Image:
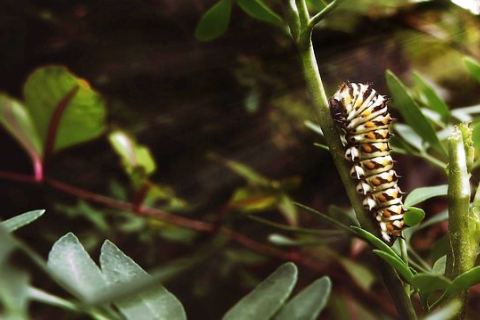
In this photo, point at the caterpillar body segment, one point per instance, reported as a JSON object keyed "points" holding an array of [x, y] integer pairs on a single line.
{"points": [[362, 114]]}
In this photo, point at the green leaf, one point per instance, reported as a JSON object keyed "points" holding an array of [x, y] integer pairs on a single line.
{"points": [[409, 136], [63, 107], [476, 135], [318, 5], [375, 241], [411, 113], [136, 159], [362, 275], [21, 220], [71, 264], [473, 67], [155, 303], [434, 102], [440, 265], [413, 216], [265, 300], [214, 22], [18, 122], [419, 195], [250, 175], [288, 210], [461, 283], [396, 263], [258, 10], [450, 311], [13, 293], [427, 283], [307, 304]]}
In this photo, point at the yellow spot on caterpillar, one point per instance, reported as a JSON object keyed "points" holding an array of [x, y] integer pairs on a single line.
{"points": [[366, 113], [370, 135], [369, 124]]}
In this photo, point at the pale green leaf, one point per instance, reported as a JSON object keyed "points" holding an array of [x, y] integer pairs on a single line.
{"points": [[419, 195], [21, 220]]}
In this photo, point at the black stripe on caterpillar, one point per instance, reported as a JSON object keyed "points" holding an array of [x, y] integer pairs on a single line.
{"points": [[362, 114]]}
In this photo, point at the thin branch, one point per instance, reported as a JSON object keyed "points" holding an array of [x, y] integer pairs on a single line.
{"points": [[322, 14]]}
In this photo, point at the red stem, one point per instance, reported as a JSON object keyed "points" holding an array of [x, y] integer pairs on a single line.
{"points": [[340, 278], [54, 123]]}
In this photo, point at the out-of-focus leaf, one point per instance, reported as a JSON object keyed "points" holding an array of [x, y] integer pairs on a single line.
{"points": [[435, 219], [281, 240], [250, 175], [476, 135], [411, 113], [84, 209], [419, 195], [17, 120], [249, 201], [258, 10], [136, 159], [433, 101], [47, 298], [313, 126], [347, 217], [156, 303], [362, 275], [13, 293], [265, 300], [288, 210], [21, 220], [439, 265], [214, 22], [428, 283], [318, 5], [69, 262], [449, 311], [64, 105], [397, 263], [307, 304], [473, 67], [413, 216]]}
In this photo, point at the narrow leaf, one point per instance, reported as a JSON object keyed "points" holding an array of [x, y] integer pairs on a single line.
{"points": [[411, 113], [258, 10], [396, 263], [69, 262], [156, 303], [64, 108], [433, 101], [21, 220], [307, 304], [461, 283], [413, 216], [214, 22], [265, 300], [450, 311], [419, 195], [375, 241], [473, 67]]}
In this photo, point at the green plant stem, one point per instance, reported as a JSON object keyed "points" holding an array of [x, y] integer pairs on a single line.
{"points": [[463, 222], [300, 20]]}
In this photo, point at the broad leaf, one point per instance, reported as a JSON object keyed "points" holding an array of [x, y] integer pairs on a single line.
{"points": [[461, 283], [307, 304], [214, 22], [21, 220], [419, 195], [65, 110], [265, 300], [433, 101], [258, 10], [440, 265], [411, 113], [428, 283], [71, 264], [17, 120], [155, 303], [473, 67], [413, 216]]}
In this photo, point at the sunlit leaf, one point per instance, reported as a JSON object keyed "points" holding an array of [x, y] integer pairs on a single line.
{"points": [[155, 303], [307, 304], [433, 101], [288, 210], [63, 107], [473, 67], [136, 159], [408, 135], [69, 262], [411, 113], [265, 300], [17, 120], [21, 220], [413, 216], [215, 21], [419, 195], [258, 10]]}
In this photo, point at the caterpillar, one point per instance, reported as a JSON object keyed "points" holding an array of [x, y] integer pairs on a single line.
{"points": [[361, 113]]}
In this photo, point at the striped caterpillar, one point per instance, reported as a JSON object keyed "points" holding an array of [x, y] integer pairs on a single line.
{"points": [[362, 114]]}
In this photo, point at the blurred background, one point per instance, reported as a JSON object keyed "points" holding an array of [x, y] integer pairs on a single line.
{"points": [[212, 114]]}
